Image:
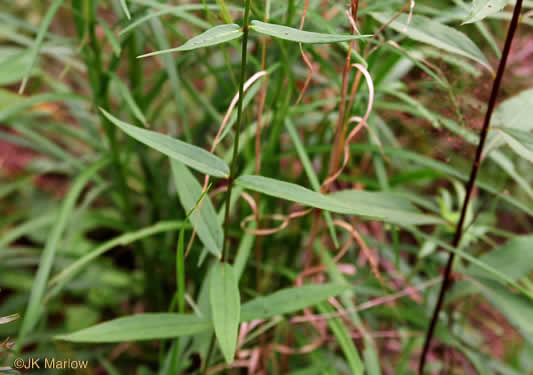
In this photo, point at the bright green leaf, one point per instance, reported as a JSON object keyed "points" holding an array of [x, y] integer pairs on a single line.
{"points": [[140, 327], [216, 35], [289, 300], [394, 208], [296, 35], [193, 156], [13, 66], [225, 303], [299, 194]]}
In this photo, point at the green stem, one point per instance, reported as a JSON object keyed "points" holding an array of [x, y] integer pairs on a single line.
{"points": [[233, 169]]}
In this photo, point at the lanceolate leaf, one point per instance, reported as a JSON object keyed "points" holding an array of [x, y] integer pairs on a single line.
{"points": [[52, 9], [225, 303], [289, 300], [140, 327], [515, 112], [125, 8], [514, 259], [193, 156], [434, 33], [205, 219], [485, 8], [394, 208], [213, 36], [520, 142], [299, 194], [296, 35], [517, 308]]}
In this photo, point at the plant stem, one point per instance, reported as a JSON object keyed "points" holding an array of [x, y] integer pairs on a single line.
{"points": [[471, 182], [233, 169]]}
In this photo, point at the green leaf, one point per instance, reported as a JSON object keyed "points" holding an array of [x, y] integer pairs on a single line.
{"points": [[122, 240], [514, 259], [205, 219], [517, 308], [310, 172], [512, 124], [140, 327], [525, 138], [434, 33], [216, 35], [289, 300], [115, 44], [193, 156], [50, 13], [515, 112], [13, 66], [125, 8], [225, 303], [520, 142], [394, 208], [129, 99], [484, 8], [299, 194], [342, 335], [35, 305], [296, 35]]}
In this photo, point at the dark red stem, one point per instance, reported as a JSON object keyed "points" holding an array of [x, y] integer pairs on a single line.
{"points": [[471, 182]]}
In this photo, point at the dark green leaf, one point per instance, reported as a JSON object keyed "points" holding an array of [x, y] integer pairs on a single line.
{"points": [[193, 156]]}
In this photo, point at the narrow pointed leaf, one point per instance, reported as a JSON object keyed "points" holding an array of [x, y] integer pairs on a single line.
{"points": [[434, 33], [296, 35], [205, 219], [130, 101], [485, 8], [225, 308], [512, 125], [125, 8], [140, 327], [216, 35], [514, 259], [289, 300], [299, 194], [36, 47], [517, 308], [193, 156], [115, 44], [392, 207], [34, 308]]}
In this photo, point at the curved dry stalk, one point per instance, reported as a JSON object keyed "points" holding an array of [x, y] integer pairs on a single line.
{"points": [[306, 59], [366, 251], [369, 304], [361, 122], [216, 141]]}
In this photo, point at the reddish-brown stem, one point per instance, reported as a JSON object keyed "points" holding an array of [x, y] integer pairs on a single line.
{"points": [[471, 182]]}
